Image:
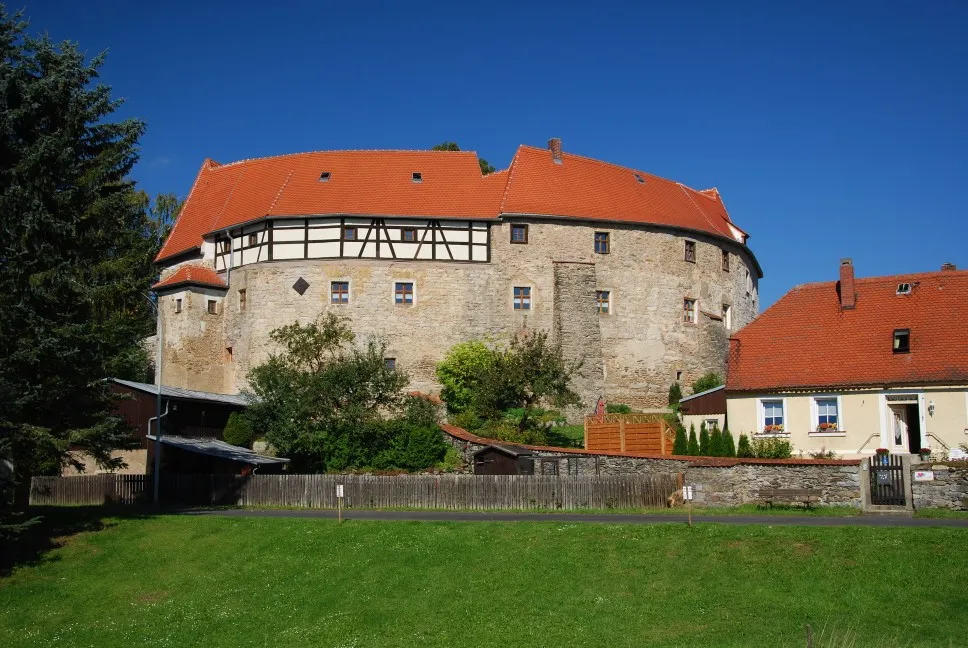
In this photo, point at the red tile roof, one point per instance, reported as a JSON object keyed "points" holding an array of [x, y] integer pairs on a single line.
{"points": [[379, 183], [191, 275], [806, 341]]}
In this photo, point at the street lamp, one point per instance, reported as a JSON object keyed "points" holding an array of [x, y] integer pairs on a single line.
{"points": [[156, 307]]}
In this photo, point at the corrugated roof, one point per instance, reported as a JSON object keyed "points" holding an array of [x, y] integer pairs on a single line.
{"points": [[185, 394], [219, 449], [702, 393]]}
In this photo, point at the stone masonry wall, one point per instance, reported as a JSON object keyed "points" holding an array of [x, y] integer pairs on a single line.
{"points": [[643, 340], [948, 489], [576, 326]]}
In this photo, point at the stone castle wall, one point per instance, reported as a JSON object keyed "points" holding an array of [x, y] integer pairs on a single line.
{"points": [[631, 355]]}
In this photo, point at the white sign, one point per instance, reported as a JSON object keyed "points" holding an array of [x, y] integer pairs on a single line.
{"points": [[687, 492], [339, 490], [923, 475], [957, 454]]}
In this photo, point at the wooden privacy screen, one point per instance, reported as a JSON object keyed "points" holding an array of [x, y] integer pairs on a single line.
{"points": [[645, 433]]}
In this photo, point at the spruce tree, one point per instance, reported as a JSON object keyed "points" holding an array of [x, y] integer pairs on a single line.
{"points": [[703, 440], [76, 256], [716, 442], [693, 446], [675, 395], [744, 449], [681, 445], [729, 447]]}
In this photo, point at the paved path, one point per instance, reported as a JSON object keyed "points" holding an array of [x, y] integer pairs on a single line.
{"points": [[454, 516]]}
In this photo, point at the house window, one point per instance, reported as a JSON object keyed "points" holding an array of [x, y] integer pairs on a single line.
{"points": [[403, 293], [691, 251], [601, 243], [242, 300], [416, 176], [225, 247], [689, 311], [712, 424], [212, 307], [390, 364], [178, 305], [409, 235], [902, 340], [324, 176], [827, 414], [519, 233], [349, 233], [603, 298], [339, 292], [522, 298], [772, 416], [253, 239], [728, 317], [725, 261]]}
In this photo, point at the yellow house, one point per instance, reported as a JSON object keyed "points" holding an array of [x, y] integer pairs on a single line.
{"points": [[856, 365]]}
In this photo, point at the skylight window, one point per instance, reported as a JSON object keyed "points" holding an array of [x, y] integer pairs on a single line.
{"points": [[324, 176], [639, 178], [417, 176], [904, 289]]}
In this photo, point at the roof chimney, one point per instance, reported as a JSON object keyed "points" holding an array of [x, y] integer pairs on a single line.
{"points": [[848, 296], [554, 145], [948, 267]]}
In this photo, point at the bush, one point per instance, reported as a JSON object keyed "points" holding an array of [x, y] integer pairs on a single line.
{"points": [[468, 420], [453, 461], [617, 408], [675, 395], [716, 443], [407, 446], [823, 453], [692, 448], [744, 449], [706, 382], [681, 445], [460, 372], [703, 440], [772, 449], [729, 447], [238, 430]]}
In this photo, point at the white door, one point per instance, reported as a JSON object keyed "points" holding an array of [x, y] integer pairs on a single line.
{"points": [[899, 429]]}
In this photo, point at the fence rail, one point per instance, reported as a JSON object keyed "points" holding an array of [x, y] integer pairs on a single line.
{"points": [[469, 492]]}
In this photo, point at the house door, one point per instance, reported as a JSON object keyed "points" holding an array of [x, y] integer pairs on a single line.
{"points": [[913, 429], [899, 428]]}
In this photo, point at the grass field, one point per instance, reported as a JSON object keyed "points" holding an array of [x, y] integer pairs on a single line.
{"points": [[214, 581]]}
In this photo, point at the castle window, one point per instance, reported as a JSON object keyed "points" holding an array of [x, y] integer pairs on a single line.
{"points": [[253, 239], [349, 233], [689, 311], [225, 247], [242, 300], [324, 176], [519, 233], [212, 307], [749, 283], [178, 305], [339, 292], [390, 364], [403, 293], [228, 354], [728, 317], [603, 298], [902, 341], [416, 177], [601, 243], [409, 235], [691, 251], [522, 298], [725, 261]]}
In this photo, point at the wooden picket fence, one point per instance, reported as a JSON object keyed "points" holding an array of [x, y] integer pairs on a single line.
{"points": [[454, 492]]}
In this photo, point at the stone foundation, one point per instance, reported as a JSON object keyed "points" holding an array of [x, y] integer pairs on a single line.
{"points": [[948, 489]]}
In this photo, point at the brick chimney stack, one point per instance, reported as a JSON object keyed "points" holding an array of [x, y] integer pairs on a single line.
{"points": [[848, 296], [948, 267], [554, 145]]}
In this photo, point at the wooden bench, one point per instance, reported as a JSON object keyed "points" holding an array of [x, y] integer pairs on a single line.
{"points": [[805, 496]]}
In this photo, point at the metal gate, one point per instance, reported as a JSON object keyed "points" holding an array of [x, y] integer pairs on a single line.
{"points": [[887, 480]]}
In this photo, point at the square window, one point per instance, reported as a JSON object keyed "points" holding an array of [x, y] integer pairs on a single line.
{"points": [[603, 297], [827, 414], [601, 243], [416, 176], [725, 261], [324, 176], [253, 239], [178, 305], [241, 299], [212, 307], [773, 416], [712, 424], [390, 364], [349, 233], [902, 341], [728, 317], [519, 233], [689, 311], [522, 298], [691, 251], [403, 293], [409, 235], [339, 292]]}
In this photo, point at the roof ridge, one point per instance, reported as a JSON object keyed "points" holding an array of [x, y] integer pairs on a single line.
{"points": [[507, 185], [301, 153], [281, 189]]}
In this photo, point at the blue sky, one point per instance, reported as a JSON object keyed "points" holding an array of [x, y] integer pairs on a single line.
{"points": [[831, 129]]}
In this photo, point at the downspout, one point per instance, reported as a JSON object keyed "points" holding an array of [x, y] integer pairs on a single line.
{"points": [[228, 270], [154, 418]]}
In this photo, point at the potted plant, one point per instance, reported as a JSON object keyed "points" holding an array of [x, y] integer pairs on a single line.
{"points": [[925, 454], [773, 429], [827, 427], [882, 455]]}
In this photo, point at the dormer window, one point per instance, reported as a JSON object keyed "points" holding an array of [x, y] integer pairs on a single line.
{"points": [[904, 289], [416, 176], [639, 178], [324, 176], [902, 340]]}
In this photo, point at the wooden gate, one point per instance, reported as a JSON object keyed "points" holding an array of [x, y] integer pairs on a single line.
{"points": [[887, 480]]}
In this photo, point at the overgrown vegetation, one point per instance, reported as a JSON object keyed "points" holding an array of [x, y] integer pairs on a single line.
{"points": [[772, 449], [675, 395], [707, 382], [238, 430], [329, 403]]}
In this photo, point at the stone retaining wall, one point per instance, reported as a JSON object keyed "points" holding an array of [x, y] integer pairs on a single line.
{"points": [[948, 488]]}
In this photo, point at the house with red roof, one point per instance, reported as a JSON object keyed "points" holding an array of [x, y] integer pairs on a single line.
{"points": [[857, 364], [641, 277]]}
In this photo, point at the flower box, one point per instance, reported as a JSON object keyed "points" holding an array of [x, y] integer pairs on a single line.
{"points": [[827, 427], [772, 429]]}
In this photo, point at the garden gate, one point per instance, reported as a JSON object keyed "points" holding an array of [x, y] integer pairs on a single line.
{"points": [[887, 480]]}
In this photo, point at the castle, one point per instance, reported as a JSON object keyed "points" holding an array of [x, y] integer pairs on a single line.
{"points": [[642, 277]]}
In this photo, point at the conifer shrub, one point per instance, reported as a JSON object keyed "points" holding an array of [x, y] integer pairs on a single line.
{"points": [[716, 443], [729, 446], [692, 447], [238, 430], [703, 440], [744, 449], [681, 444]]}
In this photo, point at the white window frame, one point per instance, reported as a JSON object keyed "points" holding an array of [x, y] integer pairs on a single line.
{"points": [[393, 292], [712, 423], [761, 417], [611, 301], [728, 316], [815, 416]]}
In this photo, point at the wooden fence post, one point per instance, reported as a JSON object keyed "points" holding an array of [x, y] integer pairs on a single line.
{"points": [[621, 433]]}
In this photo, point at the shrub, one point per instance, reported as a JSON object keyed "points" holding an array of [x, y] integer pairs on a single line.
{"points": [[706, 382], [744, 449], [460, 372], [407, 446], [716, 443], [468, 420], [681, 445], [692, 448], [675, 395], [823, 453], [238, 430], [618, 408], [703, 440], [453, 461], [772, 449], [729, 447]]}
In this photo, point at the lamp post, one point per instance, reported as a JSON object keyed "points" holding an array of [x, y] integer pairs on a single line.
{"points": [[156, 307]]}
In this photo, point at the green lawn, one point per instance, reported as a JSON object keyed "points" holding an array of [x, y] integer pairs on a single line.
{"points": [[218, 581]]}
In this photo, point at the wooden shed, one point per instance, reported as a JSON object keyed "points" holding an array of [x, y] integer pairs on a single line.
{"points": [[707, 407], [504, 460], [185, 456]]}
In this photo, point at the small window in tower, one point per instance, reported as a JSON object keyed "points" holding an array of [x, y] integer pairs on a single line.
{"points": [[228, 354], [416, 177], [339, 292], [902, 340], [522, 298], [725, 261], [519, 233], [212, 307], [691, 251], [349, 233], [225, 247], [602, 243], [728, 317], [409, 235], [390, 364], [603, 298], [689, 311], [242, 300], [403, 293], [178, 305], [324, 176], [253, 239]]}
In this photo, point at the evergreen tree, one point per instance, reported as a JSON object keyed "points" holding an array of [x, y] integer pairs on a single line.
{"points": [[703, 440], [692, 448], [675, 395], [681, 445], [76, 256], [729, 447], [744, 449], [716, 443]]}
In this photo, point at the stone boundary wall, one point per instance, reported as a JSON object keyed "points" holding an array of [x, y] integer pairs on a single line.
{"points": [[948, 488], [717, 481]]}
